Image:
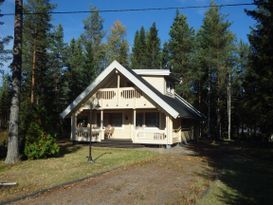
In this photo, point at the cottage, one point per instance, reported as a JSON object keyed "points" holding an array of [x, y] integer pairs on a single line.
{"points": [[140, 105]]}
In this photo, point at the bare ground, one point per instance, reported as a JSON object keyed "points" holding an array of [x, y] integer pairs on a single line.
{"points": [[175, 177]]}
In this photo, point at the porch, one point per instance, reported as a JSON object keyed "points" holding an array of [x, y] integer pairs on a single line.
{"points": [[141, 126]]}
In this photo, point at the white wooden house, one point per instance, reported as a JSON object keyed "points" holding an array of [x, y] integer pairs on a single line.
{"points": [[139, 105]]}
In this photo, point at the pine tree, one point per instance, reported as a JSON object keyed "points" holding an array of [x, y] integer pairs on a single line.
{"points": [[13, 139], [88, 73], [75, 65], [241, 115], [153, 52], [165, 56], [37, 73], [259, 85], [55, 98], [139, 53], [92, 36], [117, 45], [36, 41], [216, 44], [181, 48]]}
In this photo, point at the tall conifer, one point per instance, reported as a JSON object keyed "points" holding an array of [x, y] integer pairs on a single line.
{"points": [[153, 51], [181, 48], [139, 51], [92, 36], [259, 84]]}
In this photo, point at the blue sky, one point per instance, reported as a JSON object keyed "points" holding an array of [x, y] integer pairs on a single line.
{"points": [[73, 24]]}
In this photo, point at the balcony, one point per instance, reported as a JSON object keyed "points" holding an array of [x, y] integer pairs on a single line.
{"points": [[125, 97]]}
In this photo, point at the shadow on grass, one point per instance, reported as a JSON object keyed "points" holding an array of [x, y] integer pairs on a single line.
{"points": [[3, 151], [67, 147], [248, 172], [101, 155]]}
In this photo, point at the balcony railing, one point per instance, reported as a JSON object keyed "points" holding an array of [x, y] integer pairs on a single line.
{"points": [[125, 97]]}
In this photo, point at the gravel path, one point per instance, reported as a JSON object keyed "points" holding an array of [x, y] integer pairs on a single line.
{"points": [[166, 180]]}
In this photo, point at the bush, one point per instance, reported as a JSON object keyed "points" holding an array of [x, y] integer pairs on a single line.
{"points": [[38, 144]]}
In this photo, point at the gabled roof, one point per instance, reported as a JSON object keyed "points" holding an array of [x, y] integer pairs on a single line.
{"points": [[175, 107]]}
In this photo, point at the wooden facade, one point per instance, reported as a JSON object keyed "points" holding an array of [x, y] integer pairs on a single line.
{"points": [[119, 107]]}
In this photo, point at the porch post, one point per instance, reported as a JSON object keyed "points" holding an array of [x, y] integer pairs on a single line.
{"points": [[73, 127], [169, 128], [134, 125], [101, 124]]}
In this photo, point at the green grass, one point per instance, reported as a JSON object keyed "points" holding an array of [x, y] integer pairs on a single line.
{"points": [[3, 137], [34, 175], [244, 175]]}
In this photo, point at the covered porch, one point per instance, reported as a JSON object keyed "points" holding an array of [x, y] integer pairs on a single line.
{"points": [[142, 126]]}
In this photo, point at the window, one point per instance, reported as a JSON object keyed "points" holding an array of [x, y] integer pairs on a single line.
{"points": [[98, 120], [114, 119], [140, 119], [152, 119], [149, 119]]}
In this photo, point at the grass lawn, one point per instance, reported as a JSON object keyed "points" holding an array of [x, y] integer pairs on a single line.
{"points": [[34, 175], [3, 136], [244, 175]]}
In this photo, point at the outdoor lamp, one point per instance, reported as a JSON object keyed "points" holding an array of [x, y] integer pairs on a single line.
{"points": [[94, 104]]}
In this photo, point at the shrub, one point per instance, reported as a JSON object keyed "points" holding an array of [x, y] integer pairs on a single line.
{"points": [[38, 144]]}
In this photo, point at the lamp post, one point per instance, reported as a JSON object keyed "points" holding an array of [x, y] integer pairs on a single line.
{"points": [[93, 104]]}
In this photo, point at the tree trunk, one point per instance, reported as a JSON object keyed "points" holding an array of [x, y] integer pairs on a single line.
{"points": [[13, 147], [209, 103], [33, 74], [218, 115], [229, 105], [199, 106]]}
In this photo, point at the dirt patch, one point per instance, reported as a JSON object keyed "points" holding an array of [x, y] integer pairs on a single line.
{"points": [[175, 177]]}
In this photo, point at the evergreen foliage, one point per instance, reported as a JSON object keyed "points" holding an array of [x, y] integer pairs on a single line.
{"points": [[74, 67], [216, 51], [258, 83], [38, 144], [92, 40], [165, 56], [139, 58], [5, 100], [153, 51], [180, 51]]}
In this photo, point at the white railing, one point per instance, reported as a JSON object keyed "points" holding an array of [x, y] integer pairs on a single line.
{"points": [[83, 134], [127, 97], [152, 136]]}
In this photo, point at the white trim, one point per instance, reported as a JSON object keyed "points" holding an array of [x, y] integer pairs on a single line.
{"points": [[115, 65], [152, 72]]}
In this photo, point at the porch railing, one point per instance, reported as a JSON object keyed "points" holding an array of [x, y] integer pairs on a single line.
{"points": [[150, 136], [83, 134]]}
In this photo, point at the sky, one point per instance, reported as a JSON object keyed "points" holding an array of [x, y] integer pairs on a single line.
{"points": [[73, 23]]}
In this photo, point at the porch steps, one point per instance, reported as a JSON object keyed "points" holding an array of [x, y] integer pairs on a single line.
{"points": [[117, 143]]}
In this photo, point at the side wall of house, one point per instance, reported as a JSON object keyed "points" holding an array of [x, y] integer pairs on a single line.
{"points": [[157, 82]]}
